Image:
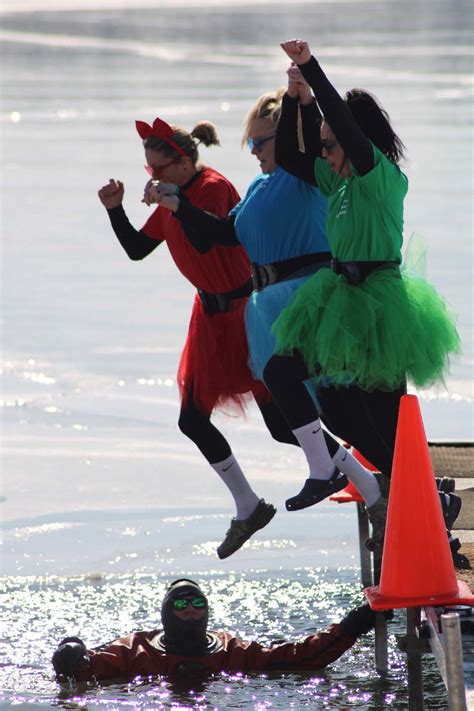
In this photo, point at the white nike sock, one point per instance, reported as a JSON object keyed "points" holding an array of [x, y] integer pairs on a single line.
{"points": [[362, 478], [245, 498], [312, 442]]}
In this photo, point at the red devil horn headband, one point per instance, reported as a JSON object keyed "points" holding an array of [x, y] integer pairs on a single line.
{"points": [[161, 130]]}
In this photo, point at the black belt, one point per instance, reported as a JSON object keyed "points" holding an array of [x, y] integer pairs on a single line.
{"points": [[220, 303], [265, 274], [357, 272]]}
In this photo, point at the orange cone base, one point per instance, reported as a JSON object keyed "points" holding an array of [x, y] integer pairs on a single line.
{"points": [[377, 601], [347, 495]]}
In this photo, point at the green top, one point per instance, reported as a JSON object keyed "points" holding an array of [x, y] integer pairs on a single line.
{"points": [[365, 213]]}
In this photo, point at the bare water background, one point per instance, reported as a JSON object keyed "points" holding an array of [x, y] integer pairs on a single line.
{"points": [[103, 500]]}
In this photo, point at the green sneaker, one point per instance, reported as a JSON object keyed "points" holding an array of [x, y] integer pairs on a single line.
{"points": [[240, 531]]}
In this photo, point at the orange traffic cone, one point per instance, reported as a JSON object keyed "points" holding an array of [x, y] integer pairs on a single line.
{"points": [[417, 567]]}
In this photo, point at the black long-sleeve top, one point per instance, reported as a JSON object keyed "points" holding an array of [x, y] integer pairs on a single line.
{"points": [[135, 242], [351, 138]]}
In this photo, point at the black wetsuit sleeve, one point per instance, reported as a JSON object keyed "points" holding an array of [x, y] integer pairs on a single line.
{"points": [[310, 126], [287, 153], [135, 242], [202, 229], [339, 117]]}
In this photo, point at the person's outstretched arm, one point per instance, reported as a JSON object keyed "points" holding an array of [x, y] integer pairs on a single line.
{"points": [[201, 228], [135, 242], [316, 651], [336, 112], [126, 657]]}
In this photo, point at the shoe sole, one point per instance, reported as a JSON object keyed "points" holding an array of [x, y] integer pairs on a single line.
{"points": [[305, 503]]}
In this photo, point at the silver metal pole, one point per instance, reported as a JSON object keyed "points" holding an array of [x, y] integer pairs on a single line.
{"points": [[365, 565], [451, 628], [381, 645], [415, 671]]}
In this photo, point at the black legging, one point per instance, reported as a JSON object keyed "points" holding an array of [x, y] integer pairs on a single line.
{"points": [[197, 425], [367, 420]]}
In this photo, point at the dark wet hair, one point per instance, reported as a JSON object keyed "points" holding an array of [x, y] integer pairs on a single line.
{"points": [[204, 132], [375, 123]]}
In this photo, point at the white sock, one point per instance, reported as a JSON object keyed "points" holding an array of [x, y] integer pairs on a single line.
{"points": [[312, 442], [245, 498], [362, 478]]}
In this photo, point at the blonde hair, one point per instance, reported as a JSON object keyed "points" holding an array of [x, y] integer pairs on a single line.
{"points": [[203, 132], [267, 106]]}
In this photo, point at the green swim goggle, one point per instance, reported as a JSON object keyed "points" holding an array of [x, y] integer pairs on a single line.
{"points": [[181, 603]]}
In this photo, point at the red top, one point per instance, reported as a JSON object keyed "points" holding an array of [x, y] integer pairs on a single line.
{"points": [[222, 268], [139, 655]]}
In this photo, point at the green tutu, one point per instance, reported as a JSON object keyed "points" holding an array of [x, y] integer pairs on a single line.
{"points": [[377, 333]]}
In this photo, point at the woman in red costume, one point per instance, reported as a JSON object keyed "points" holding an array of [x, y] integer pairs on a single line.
{"points": [[213, 368]]}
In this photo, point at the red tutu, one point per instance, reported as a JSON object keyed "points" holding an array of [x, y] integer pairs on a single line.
{"points": [[214, 361]]}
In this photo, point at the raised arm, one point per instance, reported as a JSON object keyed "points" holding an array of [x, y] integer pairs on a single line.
{"points": [[287, 152], [310, 114], [336, 112], [136, 244]]}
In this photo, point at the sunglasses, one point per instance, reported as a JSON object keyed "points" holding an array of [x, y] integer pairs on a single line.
{"points": [[158, 169], [256, 144], [181, 603]]}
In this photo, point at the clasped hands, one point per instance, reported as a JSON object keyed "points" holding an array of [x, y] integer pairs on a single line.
{"points": [[299, 53], [165, 194]]}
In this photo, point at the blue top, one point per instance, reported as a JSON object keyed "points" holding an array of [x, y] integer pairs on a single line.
{"points": [[281, 217]]}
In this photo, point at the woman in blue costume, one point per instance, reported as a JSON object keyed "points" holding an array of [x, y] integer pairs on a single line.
{"points": [[281, 224]]}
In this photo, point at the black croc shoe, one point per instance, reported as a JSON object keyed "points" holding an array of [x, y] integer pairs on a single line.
{"points": [[315, 490]]}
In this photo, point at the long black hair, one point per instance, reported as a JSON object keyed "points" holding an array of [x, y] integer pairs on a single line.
{"points": [[375, 123]]}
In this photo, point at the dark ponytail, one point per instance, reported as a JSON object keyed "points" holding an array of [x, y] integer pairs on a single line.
{"points": [[375, 123]]}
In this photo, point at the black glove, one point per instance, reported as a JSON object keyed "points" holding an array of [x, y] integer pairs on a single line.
{"points": [[361, 620], [70, 656]]}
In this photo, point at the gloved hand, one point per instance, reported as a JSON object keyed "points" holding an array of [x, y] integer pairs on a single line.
{"points": [[361, 620], [70, 656]]}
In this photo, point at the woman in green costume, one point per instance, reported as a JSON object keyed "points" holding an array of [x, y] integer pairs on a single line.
{"points": [[363, 321]]}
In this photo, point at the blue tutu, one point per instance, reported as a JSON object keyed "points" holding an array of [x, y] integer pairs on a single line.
{"points": [[262, 309]]}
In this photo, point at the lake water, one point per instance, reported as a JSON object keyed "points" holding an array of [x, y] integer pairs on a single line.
{"points": [[99, 509]]}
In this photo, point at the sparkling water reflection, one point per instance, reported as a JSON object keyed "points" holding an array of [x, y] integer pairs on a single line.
{"points": [[38, 612]]}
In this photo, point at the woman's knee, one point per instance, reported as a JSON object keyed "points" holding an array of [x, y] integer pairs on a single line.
{"points": [[190, 422]]}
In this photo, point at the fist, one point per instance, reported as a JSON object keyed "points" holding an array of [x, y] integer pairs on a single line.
{"points": [[297, 50], [111, 195], [69, 658]]}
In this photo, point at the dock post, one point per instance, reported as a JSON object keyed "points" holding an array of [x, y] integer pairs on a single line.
{"points": [[365, 564], [381, 644], [415, 671], [451, 628]]}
